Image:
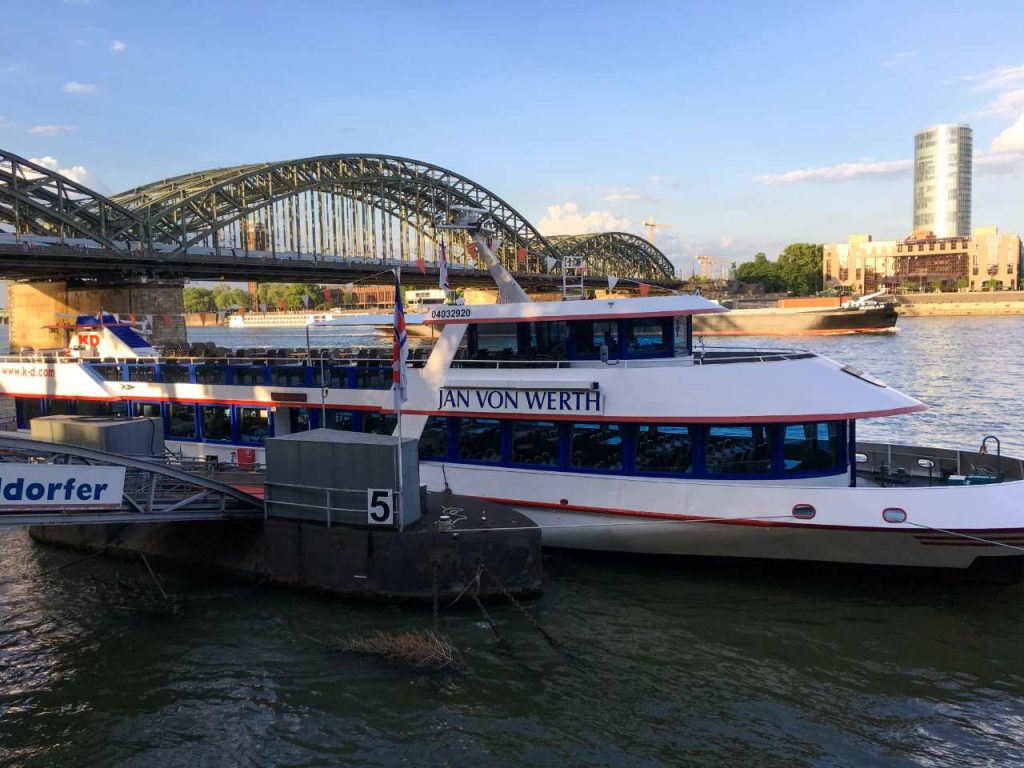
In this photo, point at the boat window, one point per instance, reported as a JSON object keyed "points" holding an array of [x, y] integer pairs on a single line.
{"points": [[648, 336], [109, 372], [174, 374], [298, 419], [27, 408], [683, 334], [287, 375], [480, 440], [434, 440], [739, 450], [547, 341], [379, 423], [141, 373], [253, 425], [61, 407], [332, 377], [811, 446], [102, 408], [590, 335], [535, 443], [496, 340], [596, 446], [373, 378], [335, 419], [664, 448], [251, 375], [181, 420], [211, 374], [145, 410], [216, 421]]}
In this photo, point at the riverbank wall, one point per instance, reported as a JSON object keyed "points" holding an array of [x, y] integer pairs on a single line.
{"points": [[993, 303]]}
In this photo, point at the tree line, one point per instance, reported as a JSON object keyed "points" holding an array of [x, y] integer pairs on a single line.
{"points": [[796, 270], [274, 295]]}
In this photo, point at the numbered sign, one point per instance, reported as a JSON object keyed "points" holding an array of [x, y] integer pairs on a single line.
{"points": [[380, 506]]}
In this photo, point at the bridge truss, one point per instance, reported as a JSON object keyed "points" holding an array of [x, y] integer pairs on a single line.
{"points": [[363, 208]]}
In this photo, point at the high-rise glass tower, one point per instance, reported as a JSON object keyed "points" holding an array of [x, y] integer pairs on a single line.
{"points": [[942, 180]]}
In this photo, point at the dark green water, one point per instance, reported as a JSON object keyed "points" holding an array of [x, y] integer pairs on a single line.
{"points": [[661, 665]]}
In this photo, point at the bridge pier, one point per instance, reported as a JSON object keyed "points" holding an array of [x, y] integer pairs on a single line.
{"points": [[34, 305]]}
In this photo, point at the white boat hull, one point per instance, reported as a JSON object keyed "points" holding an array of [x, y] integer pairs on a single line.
{"points": [[755, 520]]}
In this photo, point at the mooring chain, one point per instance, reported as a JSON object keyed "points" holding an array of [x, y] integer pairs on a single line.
{"points": [[523, 610], [487, 617], [436, 588]]}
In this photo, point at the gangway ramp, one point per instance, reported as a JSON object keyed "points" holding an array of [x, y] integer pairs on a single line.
{"points": [[153, 490]]}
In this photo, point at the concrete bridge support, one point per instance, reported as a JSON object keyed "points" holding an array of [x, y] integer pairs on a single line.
{"points": [[34, 305]]}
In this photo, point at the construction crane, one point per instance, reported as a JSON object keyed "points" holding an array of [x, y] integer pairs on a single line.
{"points": [[652, 227], [707, 268]]}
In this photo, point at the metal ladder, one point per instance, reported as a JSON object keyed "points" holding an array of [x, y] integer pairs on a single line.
{"points": [[573, 270]]}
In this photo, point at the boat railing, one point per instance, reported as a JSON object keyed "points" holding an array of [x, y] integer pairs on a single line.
{"points": [[716, 355], [893, 464], [417, 358]]}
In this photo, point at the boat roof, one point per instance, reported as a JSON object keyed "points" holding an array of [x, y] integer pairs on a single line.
{"points": [[589, 309]]}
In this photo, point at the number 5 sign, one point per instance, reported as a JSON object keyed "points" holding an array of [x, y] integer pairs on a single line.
{"points": [[380, 506]]}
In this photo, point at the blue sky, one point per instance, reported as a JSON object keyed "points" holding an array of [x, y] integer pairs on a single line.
{"points": [[745, 126]]}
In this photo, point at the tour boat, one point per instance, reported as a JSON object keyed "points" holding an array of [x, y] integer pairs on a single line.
{"points": [[598, 419]]}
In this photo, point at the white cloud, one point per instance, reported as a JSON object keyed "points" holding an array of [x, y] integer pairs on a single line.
{"points": [[1007, 104], [995, 79], [898, 58], [11, 69], [81, 88], [50, 130], [77, 173], [622, 195], [117, 46], [5, 123], [661, 181], [840, 172], [1003, 164], [1011, 139], [570, 219]]}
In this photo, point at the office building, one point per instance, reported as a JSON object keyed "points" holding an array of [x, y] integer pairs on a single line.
{"points": [[942, 180]]}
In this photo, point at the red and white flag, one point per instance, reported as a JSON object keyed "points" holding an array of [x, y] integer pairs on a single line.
{"points": [[400, 347]]}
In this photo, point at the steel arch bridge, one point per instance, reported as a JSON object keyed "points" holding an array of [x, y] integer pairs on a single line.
{"points": [[369, 208]]}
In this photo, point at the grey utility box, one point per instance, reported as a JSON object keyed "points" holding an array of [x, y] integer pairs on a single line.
{"points": [[129, 437], [337, 477]]}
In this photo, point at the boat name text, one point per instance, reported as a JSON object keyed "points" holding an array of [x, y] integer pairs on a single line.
{"points": [[532, 401]]}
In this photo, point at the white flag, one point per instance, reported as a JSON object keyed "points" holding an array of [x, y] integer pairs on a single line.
{"points": [[612, 282], [550, 261]]}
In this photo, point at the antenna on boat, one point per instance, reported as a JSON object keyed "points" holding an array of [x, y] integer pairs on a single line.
{"points": [[481, 227]]}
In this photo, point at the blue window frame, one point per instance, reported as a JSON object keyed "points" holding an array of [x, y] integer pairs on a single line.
{"points": [[26, 409], [175, 373], [647, 337], [596, 446], [181, 421], [534, 443], [211, 374], [142, 372], [338, 419], [480, 440], [378, 423], [664, 449], [249, 375], [141, 410], [215, 422], [253, 424], [740, 449], [288, 375], [812, 447], [434, 441]]}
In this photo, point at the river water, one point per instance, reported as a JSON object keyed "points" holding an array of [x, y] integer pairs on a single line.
{"points": [[661, 664]]}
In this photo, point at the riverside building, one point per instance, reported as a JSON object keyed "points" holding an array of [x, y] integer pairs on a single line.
{"points": [[942, 180], [987, 259]]}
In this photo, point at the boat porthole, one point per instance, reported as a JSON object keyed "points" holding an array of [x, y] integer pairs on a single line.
{"points": [[894, 515], [804, 511]]}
